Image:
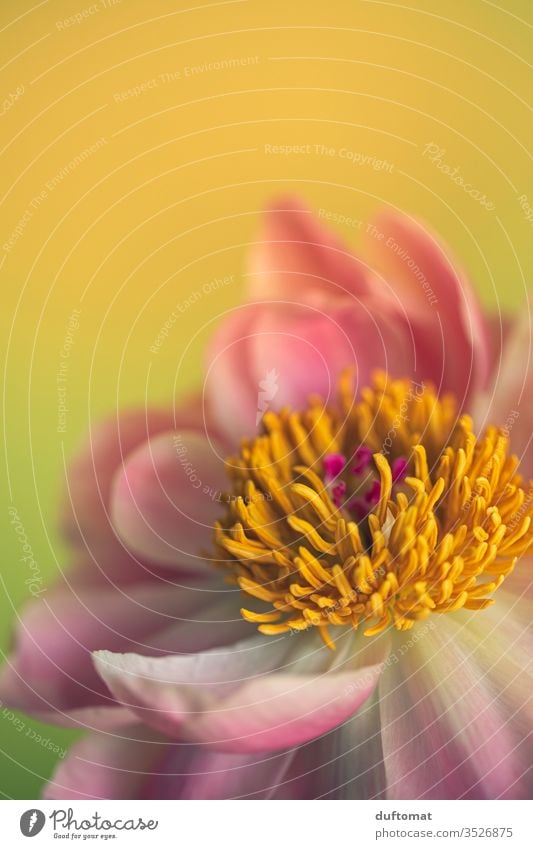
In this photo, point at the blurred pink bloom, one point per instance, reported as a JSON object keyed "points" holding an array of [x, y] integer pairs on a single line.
{"points": [[182, 698], [404, 306]]}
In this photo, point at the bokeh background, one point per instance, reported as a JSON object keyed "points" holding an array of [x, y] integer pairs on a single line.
{"points": [[138, 146]]}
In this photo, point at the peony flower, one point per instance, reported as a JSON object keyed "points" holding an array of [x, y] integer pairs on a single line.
{"points": [[340, 609]]}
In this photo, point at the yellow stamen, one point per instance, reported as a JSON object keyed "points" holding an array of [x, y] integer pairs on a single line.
{"points": [[441, 540]]}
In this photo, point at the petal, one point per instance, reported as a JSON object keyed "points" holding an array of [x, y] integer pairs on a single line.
{"points": [[117, 567], [297, 259], [166, 498], [451, 334], [501, 327], [508, 402], [230, 386], [309, 348], [103, 766], [86, 521], [454, 711], [142, 764], [257, 695], [516, 592], [346, 763], [193, 772], [269, 355], [51, 673], [91, 471]]}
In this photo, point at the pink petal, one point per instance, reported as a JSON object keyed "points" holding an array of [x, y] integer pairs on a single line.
{"points": [[508, 402], [141, 764], [194, 772], [268, 355], [86, 521], [501, 327], [285, 710], [345, 763], [299, 259], [51, 673], [91, 471], [117, 567], [166, 498], [103, 766], [258, 695], [308, 349], [451, 334], [230, 385], [454, 711], [516, 592]]}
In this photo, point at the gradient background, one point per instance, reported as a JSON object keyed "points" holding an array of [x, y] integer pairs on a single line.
{"points": [[172, 197]]}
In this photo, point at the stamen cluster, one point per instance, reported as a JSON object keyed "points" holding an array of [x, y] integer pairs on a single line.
{"points": [[380, 511]]}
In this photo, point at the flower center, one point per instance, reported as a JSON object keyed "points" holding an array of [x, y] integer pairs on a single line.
{"points": [[380, 511], [353, 484]]}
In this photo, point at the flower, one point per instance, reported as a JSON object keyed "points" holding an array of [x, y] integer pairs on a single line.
{"points": [[365, 535]]}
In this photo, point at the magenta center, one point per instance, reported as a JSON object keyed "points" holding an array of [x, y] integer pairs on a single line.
{"points": [[354, 483]]}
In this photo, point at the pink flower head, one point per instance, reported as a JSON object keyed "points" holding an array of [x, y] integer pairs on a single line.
{"points": [[367, 661]]}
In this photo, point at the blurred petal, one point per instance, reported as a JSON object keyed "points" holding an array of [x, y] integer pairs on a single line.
{"points": [[164, 500], [454, 710], [51, 673], [508, 402], [451, 335], [501, 326], [269, 355], [230, 385], [298, 259], [142, 764], [257, 695], [91, 471], [103, 766], [346, 763], [316, 309], [86, 521], [309, 348], [193, 772], [516, 592]]}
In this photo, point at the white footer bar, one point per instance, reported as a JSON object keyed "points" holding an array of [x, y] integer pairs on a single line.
{"points": [[267, 825]]}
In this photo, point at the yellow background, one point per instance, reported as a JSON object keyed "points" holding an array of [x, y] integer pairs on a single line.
{"points": [[171, 197]]}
